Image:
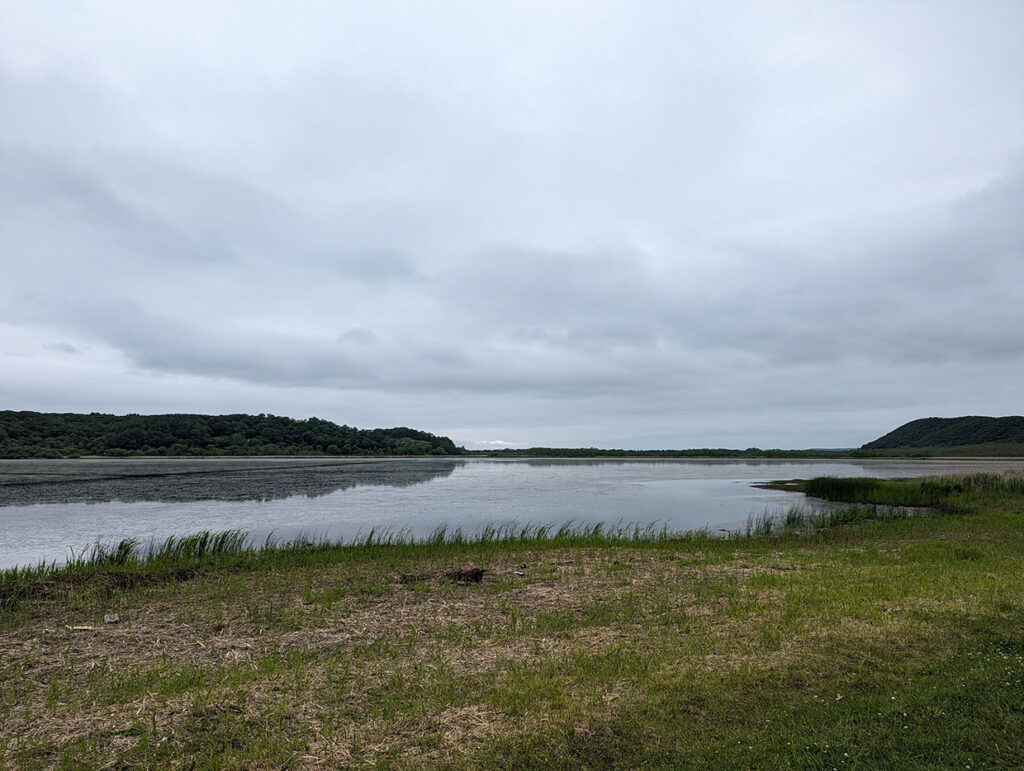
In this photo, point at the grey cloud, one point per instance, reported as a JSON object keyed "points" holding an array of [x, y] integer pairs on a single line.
{"points": [[63, 348], [151, 212], [358, 336], [376, 267], [647, 223], [169, 344], [601, 338]]}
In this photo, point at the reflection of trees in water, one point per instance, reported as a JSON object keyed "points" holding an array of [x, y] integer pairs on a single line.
{"points": [[682, 461], [252, 484]]}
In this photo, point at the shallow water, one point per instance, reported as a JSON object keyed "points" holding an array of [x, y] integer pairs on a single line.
{"points": [[50, 508]]}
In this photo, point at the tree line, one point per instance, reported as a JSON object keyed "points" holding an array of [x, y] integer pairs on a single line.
{"points": [[62, 435]]}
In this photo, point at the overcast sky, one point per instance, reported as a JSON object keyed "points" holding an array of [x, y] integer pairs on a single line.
{"points": [[621, 224]]}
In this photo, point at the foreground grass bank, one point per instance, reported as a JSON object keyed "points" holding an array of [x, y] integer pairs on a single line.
{"points": [[864, 638]]}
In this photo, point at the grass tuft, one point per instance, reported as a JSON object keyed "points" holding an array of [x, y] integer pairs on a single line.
{"points": [[799, 520]]}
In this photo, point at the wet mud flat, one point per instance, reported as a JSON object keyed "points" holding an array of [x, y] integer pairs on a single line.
{"points": [[28, 482]]}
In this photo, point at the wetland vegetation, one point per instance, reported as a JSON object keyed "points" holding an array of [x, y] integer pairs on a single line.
{"points": [[884, 634]]}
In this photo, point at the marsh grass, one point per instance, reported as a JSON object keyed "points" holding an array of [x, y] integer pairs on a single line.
{"points": [[804, 519], [928, 491], [866, 636], [108, 565]]}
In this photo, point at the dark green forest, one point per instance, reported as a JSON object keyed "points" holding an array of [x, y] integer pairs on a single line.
{"points": [[953, 432], [63, 435]]}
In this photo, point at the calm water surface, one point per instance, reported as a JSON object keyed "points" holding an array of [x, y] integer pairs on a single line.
{"points": [[48, 508]]}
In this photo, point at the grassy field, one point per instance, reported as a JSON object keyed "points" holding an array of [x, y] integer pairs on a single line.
{"points": [[861, 637]]}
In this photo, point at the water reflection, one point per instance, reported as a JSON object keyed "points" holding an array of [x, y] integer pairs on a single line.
{"points": [[667, 461], [191, 481]]}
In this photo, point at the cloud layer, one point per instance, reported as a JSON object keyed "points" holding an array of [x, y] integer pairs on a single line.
{"points": [[612, 224]]}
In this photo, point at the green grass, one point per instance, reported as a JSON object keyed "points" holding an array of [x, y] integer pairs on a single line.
{"points": [[865, 636], [110, 566], [948, 492]]}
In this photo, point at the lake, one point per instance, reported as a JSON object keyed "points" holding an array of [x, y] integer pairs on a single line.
{"points": [[49, 508]]}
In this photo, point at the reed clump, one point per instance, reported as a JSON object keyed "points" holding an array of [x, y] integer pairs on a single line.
{"points": [[800, 520], [926, 491]]}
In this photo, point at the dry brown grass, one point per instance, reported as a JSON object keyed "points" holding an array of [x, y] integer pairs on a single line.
{"points": [[456, 625]]}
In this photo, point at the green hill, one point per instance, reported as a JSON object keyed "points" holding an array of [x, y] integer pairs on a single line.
{"points": [[59, 435], [953, 432]]}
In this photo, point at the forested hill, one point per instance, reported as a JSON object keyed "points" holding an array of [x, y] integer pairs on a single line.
{"points": [[953, 432], [57, 435]]}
